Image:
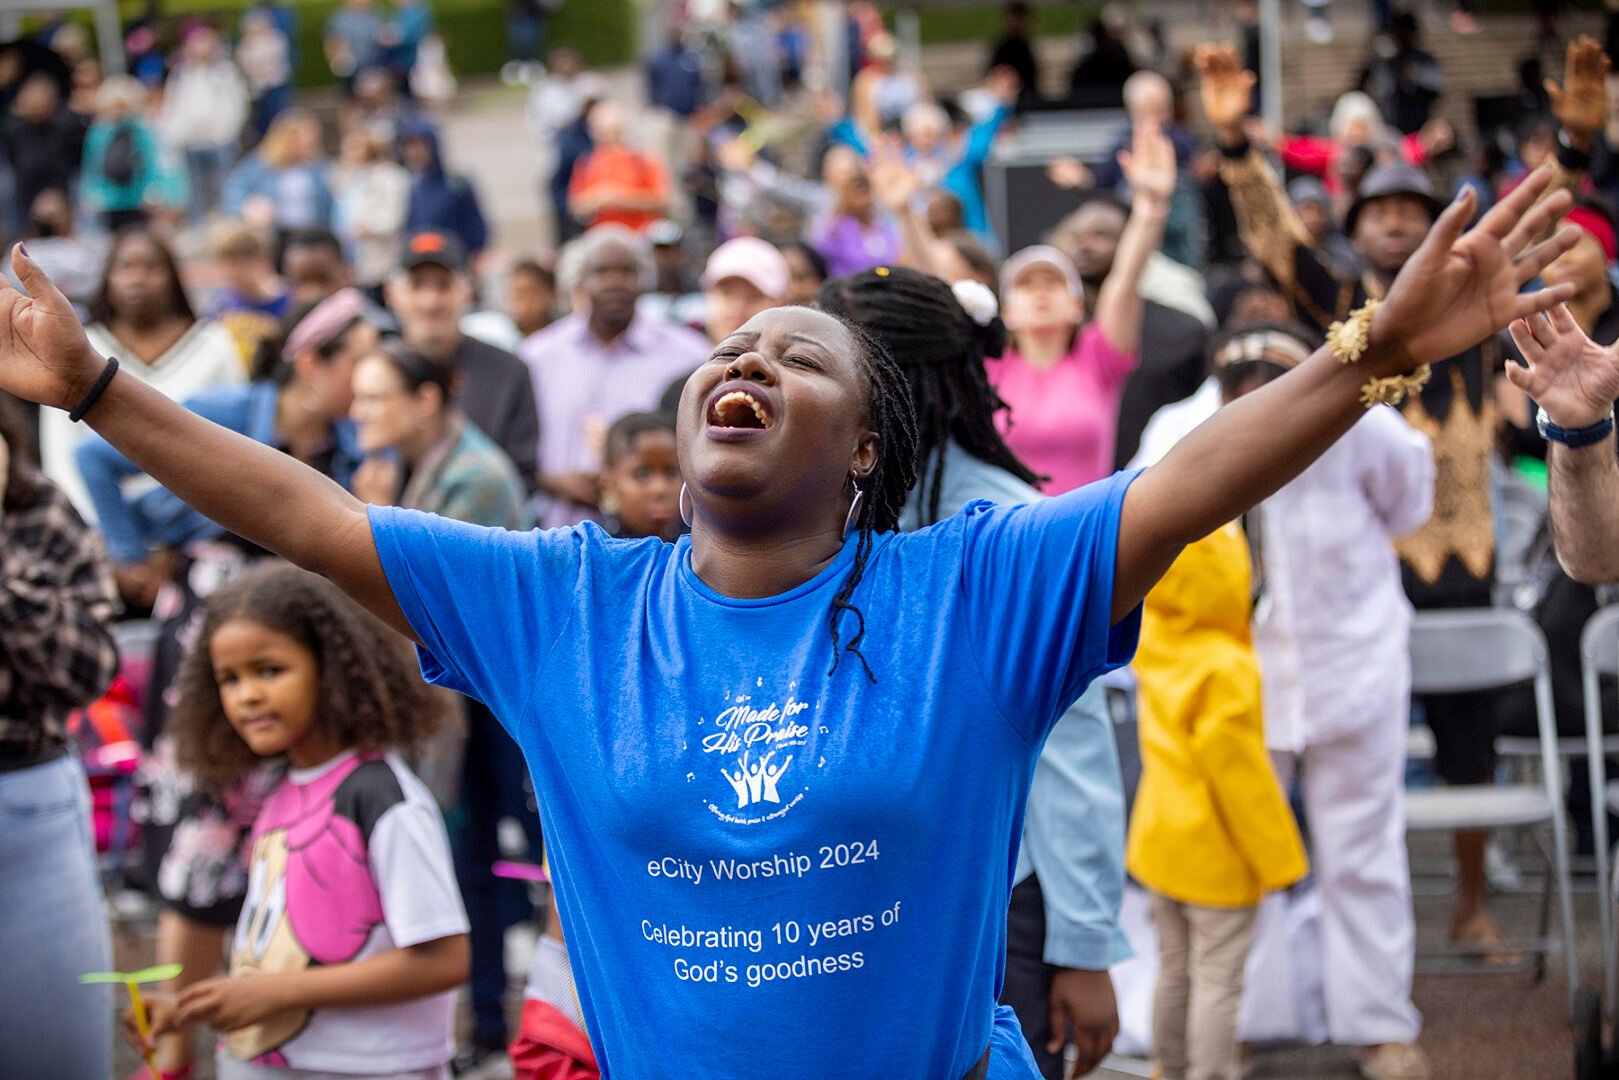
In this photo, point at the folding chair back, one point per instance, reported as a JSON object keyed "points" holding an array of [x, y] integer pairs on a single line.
{"points": [[1599, 656], [1468, 649]]}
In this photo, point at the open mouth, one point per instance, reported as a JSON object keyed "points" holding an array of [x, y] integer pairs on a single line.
{"points": [[739, 409]]}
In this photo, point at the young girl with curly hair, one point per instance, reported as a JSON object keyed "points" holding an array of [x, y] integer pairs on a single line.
{"points": [[352, 929]]}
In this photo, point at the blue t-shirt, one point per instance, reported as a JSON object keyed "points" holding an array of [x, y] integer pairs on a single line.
{"points": [[756, 861]]}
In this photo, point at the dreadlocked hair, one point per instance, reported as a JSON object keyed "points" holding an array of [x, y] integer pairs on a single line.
{"points": [[940, 352], [371, 695], [893, 419]]}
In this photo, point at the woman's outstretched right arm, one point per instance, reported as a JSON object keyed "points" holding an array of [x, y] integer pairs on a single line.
{"points": [[257, 492]]}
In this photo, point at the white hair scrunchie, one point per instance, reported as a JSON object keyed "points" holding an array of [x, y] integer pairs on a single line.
{"points": [[977, 301]]}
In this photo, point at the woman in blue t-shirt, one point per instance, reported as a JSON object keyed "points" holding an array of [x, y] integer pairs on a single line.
{"points": [[781, 763]]}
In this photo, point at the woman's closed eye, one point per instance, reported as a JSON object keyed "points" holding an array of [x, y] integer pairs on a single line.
{"points": [[802, 361]]}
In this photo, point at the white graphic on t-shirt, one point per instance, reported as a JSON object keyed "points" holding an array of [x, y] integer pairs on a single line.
{"points": [[757, 745], [756, 782]]}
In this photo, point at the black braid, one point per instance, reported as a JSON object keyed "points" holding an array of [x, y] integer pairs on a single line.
{"points": [[940, 352], [893, 419]]}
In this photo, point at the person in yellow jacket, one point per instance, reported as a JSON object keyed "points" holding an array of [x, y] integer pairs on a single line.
{"points": [[1211, 831]]}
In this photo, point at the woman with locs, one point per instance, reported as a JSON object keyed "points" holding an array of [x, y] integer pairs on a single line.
{"points": [[880, 695]]}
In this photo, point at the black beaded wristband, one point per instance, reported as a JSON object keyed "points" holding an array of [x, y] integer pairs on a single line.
{"points": [[95, 392]]}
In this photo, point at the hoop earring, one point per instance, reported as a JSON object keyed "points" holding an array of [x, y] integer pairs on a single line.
{"points": [[685, 515], [854, 507]]}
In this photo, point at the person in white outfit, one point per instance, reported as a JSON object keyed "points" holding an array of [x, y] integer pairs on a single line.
{"points": [[205, 105], [1332, 626]]}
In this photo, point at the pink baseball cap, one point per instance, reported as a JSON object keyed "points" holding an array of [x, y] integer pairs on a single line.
{"points": [[753, 260], [1040, 255]]}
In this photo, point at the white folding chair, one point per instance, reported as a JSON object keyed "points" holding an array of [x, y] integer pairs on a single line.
{"points": [[1470, 650], [1599, 656]]}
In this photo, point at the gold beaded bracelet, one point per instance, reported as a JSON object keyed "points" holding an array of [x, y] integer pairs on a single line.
{"points": [[1395, 388], [1349, 338]]}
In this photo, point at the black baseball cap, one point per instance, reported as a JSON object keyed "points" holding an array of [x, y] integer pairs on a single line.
{"points": [[1394, 179], [433, 247]]}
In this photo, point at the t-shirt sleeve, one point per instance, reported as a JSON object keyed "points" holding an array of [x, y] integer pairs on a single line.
{"points": [[1038, 587], [486, 604], [410, 862]]}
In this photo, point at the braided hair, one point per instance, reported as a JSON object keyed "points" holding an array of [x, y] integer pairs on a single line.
{"points": [[893, 419], [940, 352]]}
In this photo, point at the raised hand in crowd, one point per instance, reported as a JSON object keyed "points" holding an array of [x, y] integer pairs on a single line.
{"points": [[1580, 103], [1149, 168], [1005, 84], [1576, 382], [44, 354], [1149, 163], [1566, 373], [895, 186], [1436, 136], [1069, 173], [1226, 89], [893, 182]]}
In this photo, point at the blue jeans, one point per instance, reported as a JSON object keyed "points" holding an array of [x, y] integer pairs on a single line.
{"points": [[525, 35], [206, 168], [492, 775], [53, 928]]}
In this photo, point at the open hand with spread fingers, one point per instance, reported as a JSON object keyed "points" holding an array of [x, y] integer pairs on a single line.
{"points": [[1459, 288], [1570, 376], [44, 354]]}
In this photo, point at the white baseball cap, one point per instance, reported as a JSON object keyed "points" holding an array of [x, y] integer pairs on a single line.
{"points": [[753, 260], [1040, 255]]}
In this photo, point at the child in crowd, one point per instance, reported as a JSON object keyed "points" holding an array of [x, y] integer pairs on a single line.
{"points": [[352, 938], [1332, 629], [254, 299], [1211, 831], [640, 478]]}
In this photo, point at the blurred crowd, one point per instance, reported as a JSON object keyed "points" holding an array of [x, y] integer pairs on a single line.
{"points": [[327, 282]]}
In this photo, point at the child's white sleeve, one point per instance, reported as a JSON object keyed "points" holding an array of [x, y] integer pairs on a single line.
{"points": [[410, 862]]}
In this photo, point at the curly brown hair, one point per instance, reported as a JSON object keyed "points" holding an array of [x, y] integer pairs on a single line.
{"points": [[372, 697]]}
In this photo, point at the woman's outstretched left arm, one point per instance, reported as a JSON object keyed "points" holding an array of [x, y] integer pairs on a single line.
{"points": [[1454, 291]]}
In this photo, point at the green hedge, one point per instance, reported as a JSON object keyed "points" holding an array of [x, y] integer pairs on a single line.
{"points": [[948, 25], [474, 30]]}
